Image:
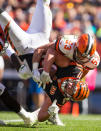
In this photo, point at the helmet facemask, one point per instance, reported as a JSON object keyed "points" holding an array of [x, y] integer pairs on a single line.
{"points": [[81, 58], [68, 87], [75, 90]]}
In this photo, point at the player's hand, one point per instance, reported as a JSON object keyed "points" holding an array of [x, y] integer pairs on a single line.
{"points": [[45, 78], [36, 75], [23, 72]]}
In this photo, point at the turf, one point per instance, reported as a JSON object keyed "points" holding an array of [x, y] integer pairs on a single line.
{"points": [[81, 123]]}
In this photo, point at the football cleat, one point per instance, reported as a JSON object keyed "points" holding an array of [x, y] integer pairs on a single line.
{"points": [[53, 111], [32, 118], [29, 118], [55, 120]]}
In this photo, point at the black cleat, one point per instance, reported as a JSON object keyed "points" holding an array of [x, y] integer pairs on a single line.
{"points": [[1, 10]]}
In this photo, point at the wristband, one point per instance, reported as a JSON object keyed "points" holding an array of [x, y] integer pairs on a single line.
{"points": [[35, 65]]}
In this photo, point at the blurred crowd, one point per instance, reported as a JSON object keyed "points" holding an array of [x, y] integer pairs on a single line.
{"points": [[69, 16]]}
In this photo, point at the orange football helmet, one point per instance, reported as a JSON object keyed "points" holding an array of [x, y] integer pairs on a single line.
{"points": [[76, 90], [81, 91], [86, 47]]}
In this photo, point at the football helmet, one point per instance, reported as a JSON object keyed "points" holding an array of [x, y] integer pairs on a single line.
{"points": [[86, 47], [76, 90]]}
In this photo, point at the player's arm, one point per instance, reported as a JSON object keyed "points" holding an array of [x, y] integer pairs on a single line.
{"points": [[49, 59], [13, 57], [84, 73], [38, 53]]}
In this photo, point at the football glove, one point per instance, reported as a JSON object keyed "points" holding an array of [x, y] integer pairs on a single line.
{"points": [[24, 71], [45, 78], [36, 75]]}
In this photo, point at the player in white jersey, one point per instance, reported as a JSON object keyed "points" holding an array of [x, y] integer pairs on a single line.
{"points": [[38, 32]]}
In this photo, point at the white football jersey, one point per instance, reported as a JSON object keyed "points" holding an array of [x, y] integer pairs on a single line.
{"points": [[94, 61], [67, 45]]}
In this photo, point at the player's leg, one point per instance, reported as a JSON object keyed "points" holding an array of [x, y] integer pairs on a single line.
{"points": [[47, 110], [43, 114], [42, 18], [17, 35], [13, 105]]}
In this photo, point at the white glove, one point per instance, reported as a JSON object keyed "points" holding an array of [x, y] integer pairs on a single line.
{"points": [[35, 72], [36, 75], [45, 78], [23, 72]]}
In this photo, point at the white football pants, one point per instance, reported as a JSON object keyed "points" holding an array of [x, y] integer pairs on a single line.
{"points": [[38, 32]]}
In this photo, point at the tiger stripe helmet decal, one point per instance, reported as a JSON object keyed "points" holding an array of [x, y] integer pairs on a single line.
{"points": [[81, 92]]}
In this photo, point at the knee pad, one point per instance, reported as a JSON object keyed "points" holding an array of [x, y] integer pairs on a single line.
{"points": [[2, 88]]}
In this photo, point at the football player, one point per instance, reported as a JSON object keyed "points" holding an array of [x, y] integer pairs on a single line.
{"points": [[24, 43], [14, 106], [37, 34], [80, 49], [65, 86]]}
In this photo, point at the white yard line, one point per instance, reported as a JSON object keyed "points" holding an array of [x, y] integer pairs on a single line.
{"points": [[82, 119], [14, 120]]}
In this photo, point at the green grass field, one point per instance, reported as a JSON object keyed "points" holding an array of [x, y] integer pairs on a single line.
{"points": [[81, 123]]}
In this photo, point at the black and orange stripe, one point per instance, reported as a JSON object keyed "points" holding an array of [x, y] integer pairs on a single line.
{"points": [[6, 32], [81, 93]]}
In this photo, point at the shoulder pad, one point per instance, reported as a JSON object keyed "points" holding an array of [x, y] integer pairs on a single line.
{"points": [[94, 61]]}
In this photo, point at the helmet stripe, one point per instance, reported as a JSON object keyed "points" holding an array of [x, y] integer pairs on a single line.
{"points": [[89, 45], [83, 93], [86, 93], [79, 92]]}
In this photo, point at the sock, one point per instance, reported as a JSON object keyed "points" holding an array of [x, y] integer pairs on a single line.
{"points": [[35, 115], [23, 113], [10, 102]]}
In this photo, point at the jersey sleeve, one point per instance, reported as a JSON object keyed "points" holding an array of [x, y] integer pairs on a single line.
{"points": [[94, 61]]}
